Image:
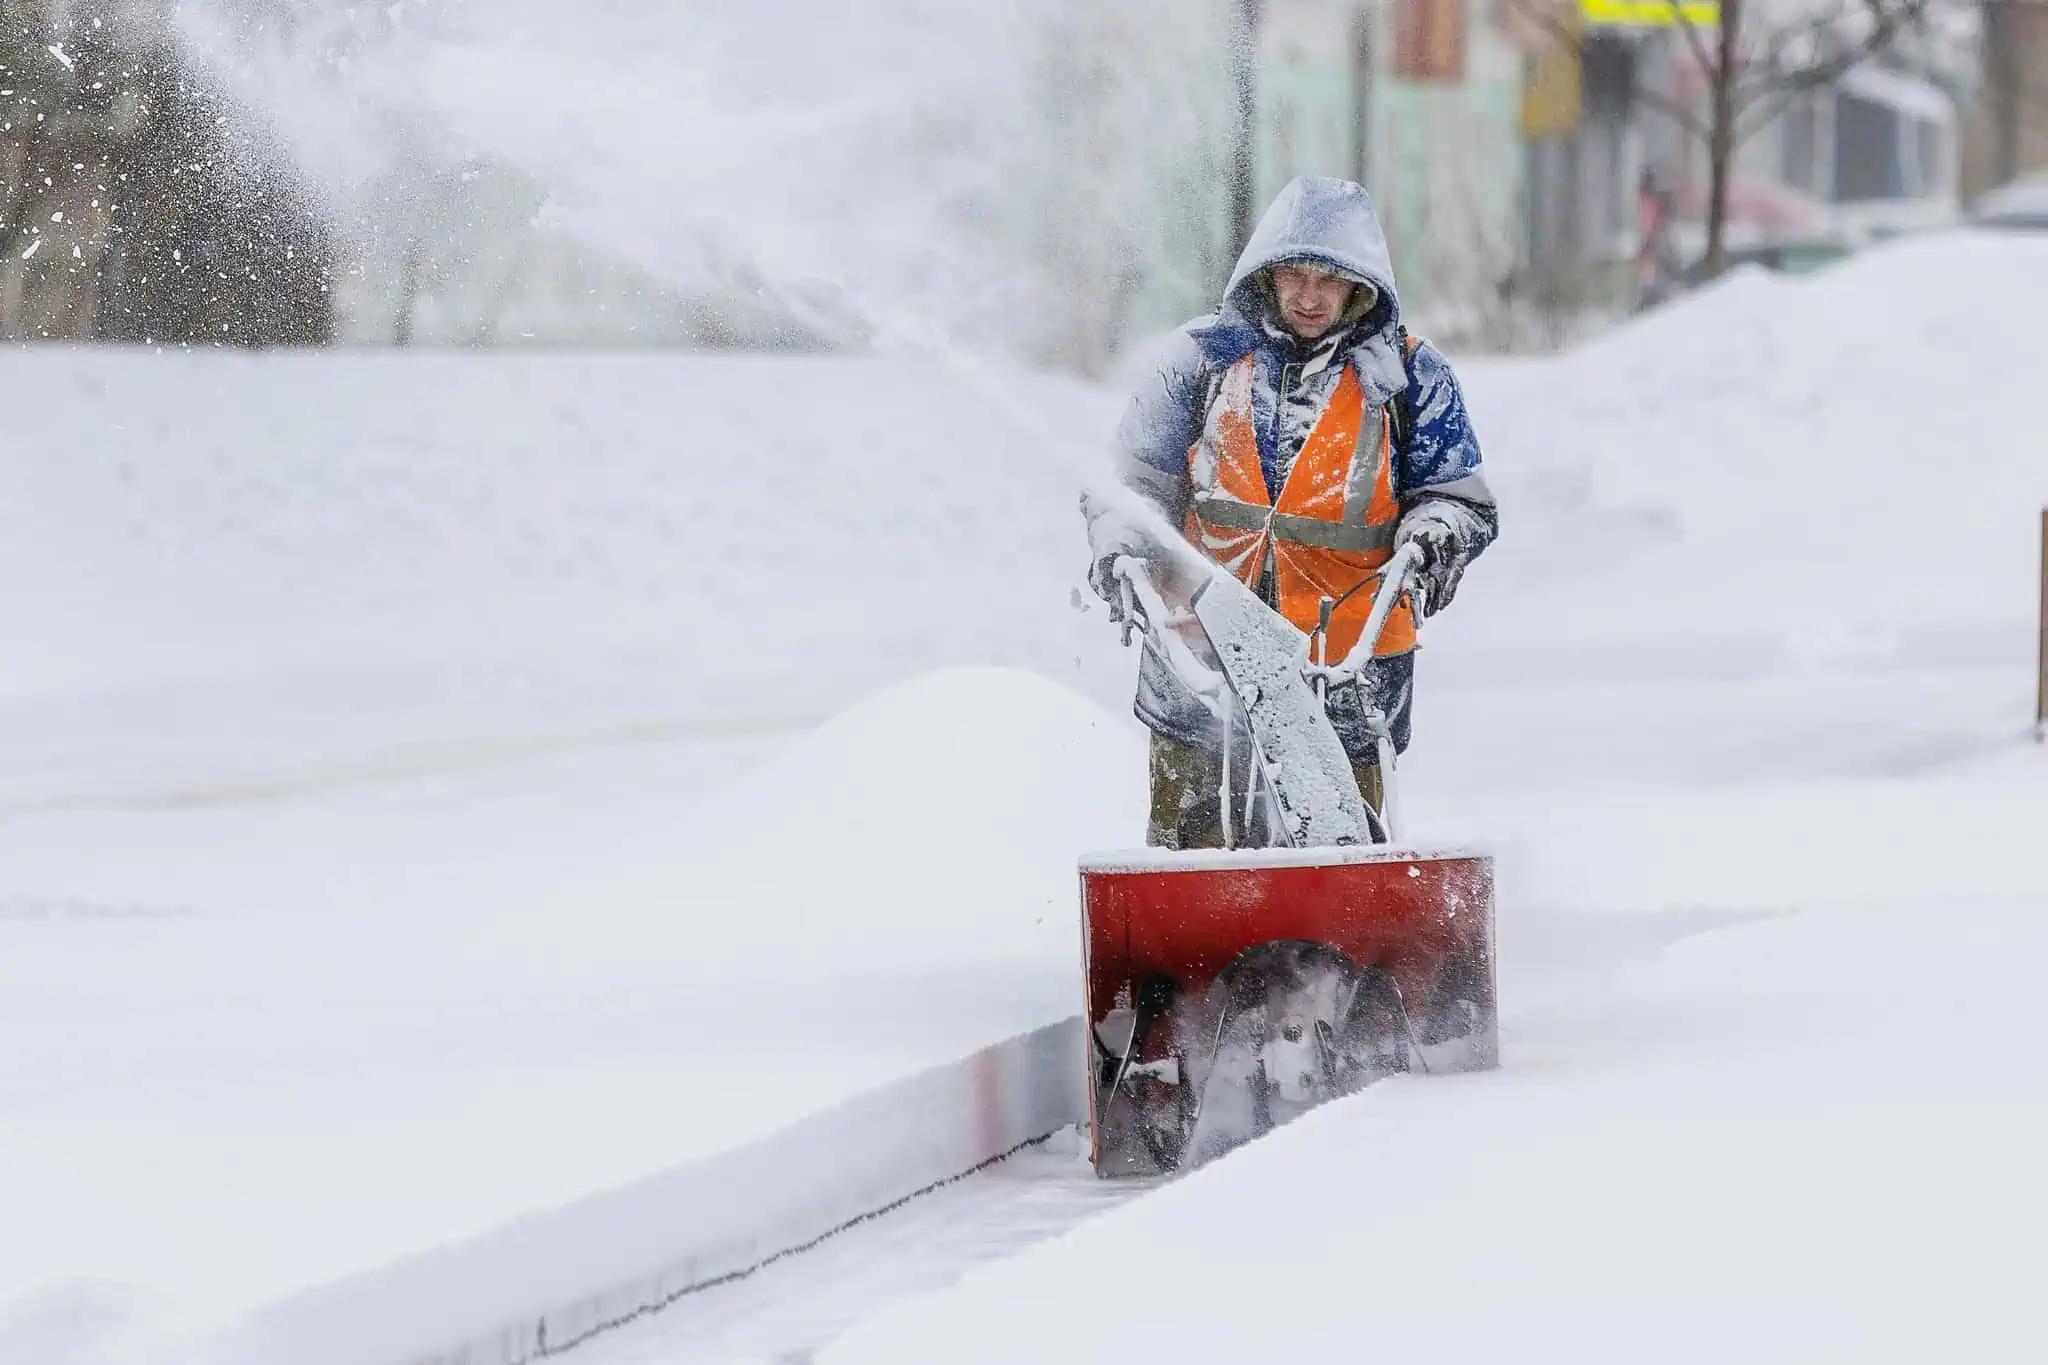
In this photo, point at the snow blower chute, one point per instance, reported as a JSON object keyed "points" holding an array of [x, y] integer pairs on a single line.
{"points": [[1231, 989]]}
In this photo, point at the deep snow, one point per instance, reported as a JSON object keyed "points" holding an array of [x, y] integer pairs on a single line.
{"points": [[408, 803], [280, 1038], [358, 887], [1741, 705]]}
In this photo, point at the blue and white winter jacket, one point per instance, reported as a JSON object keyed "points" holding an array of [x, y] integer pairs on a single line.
{"points": [[1331, 223]]}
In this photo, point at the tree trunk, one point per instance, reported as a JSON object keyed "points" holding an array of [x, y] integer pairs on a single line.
{"points": [[1721, 138], [2003, 82]]}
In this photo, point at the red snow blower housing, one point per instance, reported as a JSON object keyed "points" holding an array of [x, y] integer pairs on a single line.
{"points": [[1230, 990]]}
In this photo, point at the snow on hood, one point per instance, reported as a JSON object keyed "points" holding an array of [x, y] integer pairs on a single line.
{"points": [[1322, 219], [1330, 222]]}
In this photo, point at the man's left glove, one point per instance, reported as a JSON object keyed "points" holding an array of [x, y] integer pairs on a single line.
{"points": [[1444, 554]]}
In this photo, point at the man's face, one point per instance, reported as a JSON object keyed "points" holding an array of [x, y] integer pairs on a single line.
{"points": [[1311, 300]]}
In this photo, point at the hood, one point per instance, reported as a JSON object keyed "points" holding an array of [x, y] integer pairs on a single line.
{"points": [[1330, 222]]}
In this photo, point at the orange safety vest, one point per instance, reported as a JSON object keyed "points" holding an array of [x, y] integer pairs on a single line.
{"points": [[1331, 528]]}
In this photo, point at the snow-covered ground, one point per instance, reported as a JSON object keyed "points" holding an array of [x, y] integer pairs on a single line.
{"points": [[1743, 709], [416, 815], [401, 827], [786, 1310]]}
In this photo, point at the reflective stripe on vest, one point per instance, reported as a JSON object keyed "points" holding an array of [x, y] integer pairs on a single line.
{"points": [[1323, 535], [1334, 523]]}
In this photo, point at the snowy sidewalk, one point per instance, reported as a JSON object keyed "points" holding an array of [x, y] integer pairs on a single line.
{"points": [[1787, 1108], [277, 1041], [294, 988], [375, 864]]}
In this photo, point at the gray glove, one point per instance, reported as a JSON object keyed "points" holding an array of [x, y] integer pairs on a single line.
{"points": [[1109, 537], [1444, 555], [1106, 585]]}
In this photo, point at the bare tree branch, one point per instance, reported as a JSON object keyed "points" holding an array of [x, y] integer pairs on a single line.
{"points": [[1888, 19], [1664, 104], [1709, 67], [1778, 44]]}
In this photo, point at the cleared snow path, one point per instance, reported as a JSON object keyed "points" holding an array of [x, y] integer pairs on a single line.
{"points": [[787, 1310]]}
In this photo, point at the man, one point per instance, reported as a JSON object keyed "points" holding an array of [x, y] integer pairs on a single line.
{"points": [[1299, 437]]}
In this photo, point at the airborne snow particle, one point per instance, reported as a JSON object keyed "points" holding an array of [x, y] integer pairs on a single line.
{"points": [[33, 248], [57, 50]]}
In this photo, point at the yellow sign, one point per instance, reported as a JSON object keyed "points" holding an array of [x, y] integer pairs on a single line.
{"points": [[1550, 93], [1649, 13]]}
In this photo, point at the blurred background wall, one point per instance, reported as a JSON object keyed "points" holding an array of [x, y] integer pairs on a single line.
{"points": [[1051, 180]]}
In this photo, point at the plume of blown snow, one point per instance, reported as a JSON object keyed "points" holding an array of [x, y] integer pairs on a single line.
{"points": [[991, 167]]}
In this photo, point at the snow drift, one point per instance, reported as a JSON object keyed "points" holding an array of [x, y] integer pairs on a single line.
{"points": [[424, 733]]}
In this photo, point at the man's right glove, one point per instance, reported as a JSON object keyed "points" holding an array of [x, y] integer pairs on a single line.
{"points": [[1443, 552]]}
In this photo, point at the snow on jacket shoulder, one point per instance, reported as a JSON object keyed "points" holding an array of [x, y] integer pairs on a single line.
{"points": [[1440, 458], [1162, 420], [1331, 222], [1164, 416]]}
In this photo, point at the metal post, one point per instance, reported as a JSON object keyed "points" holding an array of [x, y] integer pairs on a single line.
{"points": [[1244, 80], [1361, 95], [2041, 690], [1223, 787]]}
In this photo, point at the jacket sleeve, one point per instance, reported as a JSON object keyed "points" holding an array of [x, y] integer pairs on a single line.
{"points": [[1160, 423], [1439, 469]]}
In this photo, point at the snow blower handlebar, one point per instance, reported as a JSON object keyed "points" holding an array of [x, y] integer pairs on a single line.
{"points": [[1397, 577], [1144, 609], [1143, 606], [1255, 671]]}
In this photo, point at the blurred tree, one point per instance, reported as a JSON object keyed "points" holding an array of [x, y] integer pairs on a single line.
{"points": [[133, 206], [1762, 55], [2014, 57]]}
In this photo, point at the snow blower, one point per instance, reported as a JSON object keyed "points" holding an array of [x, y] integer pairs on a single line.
{"points": [[1229, 990]]}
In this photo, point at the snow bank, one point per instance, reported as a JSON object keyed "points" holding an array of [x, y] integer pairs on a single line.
{"points": [[1801, 1136], [883, 840], [553, 1279], [339, 1028], [1739, 705], [84, 1276], [1836, 469], [236, 569], [402, 718]]}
